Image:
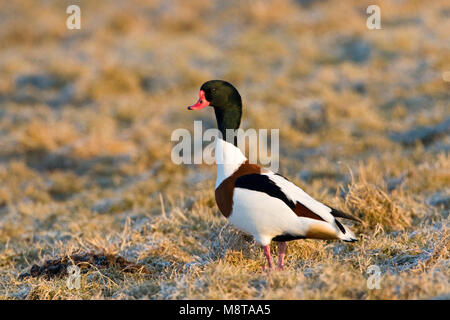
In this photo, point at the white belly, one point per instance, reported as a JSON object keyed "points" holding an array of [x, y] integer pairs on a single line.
{"points": [[264, 217]]}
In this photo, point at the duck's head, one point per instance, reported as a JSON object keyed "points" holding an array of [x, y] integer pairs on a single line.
{"points": [[225, 100]]}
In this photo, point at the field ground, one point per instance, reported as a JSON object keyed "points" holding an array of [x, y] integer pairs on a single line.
{"points": [[86, 118]]}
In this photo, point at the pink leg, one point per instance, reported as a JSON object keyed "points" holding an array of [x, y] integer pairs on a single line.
{"points": [[282, 252], [267, 253]]}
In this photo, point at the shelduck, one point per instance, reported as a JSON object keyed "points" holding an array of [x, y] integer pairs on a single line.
{"points": [[256, 200]]}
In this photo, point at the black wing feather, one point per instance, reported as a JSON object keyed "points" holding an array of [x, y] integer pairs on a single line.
{"points": [[340, 214], [263, 183]]}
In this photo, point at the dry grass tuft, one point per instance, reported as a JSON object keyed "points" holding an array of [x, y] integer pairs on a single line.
{"points": [[374, 206]]}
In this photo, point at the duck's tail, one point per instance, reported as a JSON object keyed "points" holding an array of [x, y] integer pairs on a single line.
{"points": [[345, 233]]}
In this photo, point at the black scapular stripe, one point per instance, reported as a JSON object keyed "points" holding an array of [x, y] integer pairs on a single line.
{"points": [[262, 183], [287, 237]]}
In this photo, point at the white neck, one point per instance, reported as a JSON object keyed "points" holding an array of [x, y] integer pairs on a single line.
{"points": [[228, 160]]}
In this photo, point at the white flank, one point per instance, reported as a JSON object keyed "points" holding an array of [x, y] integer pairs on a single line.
{"points": [[265, 217]]}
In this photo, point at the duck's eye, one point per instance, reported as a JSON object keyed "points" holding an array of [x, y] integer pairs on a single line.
{"points": [[201, 101]]}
